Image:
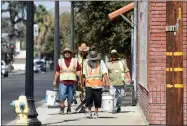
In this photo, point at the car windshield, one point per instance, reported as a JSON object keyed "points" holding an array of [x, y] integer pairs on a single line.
{"points": [[39, 62]]}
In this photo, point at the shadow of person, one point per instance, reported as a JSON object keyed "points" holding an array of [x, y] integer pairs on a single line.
{"points": [[66, 113], [105, 117], [55, 123]]}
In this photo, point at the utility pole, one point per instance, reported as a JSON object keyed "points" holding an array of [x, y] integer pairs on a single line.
{"points": [[72, 25], [29, 83], [174, 63], [56, 37]]}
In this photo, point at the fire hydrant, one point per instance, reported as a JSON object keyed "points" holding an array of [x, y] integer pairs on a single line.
{"points": [[20, 107]]}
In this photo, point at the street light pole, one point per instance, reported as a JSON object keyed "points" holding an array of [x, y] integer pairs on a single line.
{"points": [[72, 25], [29, 83], [56, 37]]}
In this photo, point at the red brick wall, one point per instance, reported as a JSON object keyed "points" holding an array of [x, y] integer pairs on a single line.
{"points": [[157, 62], [185, 59], [143, 98]]}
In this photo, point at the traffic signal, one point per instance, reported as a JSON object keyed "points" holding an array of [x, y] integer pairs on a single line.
{"points": [[11, 48]]}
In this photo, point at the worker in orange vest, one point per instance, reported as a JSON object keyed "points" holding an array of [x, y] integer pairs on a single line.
{"points": [[94, 70], [67, 68]]}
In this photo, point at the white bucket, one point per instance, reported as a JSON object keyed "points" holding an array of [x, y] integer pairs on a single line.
{"points": [[108, 102], [50, 97]]}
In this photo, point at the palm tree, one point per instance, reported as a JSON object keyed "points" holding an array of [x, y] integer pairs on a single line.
{"points": [[43, 19]]}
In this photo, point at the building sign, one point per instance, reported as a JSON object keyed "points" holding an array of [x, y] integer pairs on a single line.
{"points": [[36, 29]]}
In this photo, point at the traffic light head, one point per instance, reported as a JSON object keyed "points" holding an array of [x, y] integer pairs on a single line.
{"points": [[11, 48]]}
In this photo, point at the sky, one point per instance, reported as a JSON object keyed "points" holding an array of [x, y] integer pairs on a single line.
{"points": [[50, 5], [47, 4]]}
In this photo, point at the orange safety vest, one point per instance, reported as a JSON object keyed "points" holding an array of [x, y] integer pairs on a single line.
{"points": [[93, 79], [68, 73]]}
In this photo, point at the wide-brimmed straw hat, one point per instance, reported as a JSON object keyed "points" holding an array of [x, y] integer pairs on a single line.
{"points": [[67, 50], [83, 47], [94, 55], [114, 53]]}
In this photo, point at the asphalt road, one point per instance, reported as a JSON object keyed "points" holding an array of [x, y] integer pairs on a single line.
{"points": [[14, 85]]}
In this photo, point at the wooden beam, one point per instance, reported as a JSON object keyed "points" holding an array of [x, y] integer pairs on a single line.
{"points": [[120, 11], [174, 61]]}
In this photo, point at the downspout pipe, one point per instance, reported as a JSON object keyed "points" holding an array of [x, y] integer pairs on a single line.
{"points": [[132, 41], [135, 50]]}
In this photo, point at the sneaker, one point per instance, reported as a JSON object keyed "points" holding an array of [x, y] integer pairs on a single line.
{"points": [[95, 116], [89, 115], [118, 110], [69, 110], [61, 110]]}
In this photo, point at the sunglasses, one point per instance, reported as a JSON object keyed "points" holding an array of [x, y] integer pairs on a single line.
{"points": [[67, 52]]}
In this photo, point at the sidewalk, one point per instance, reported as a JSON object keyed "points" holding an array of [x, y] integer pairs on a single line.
{"points": [[130, 115]]}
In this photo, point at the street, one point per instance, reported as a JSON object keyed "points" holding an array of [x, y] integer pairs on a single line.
{"points": [[14, 85]]}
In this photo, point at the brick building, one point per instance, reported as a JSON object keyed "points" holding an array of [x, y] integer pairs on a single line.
{"points": [[152, 60]]}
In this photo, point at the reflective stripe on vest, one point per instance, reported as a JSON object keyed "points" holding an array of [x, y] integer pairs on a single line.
{"points": [[93, 79], [68, 73]]}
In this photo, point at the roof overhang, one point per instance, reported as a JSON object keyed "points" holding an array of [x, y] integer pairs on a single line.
{"points": [[120, 11]]}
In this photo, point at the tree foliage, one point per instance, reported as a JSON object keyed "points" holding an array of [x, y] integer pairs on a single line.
{"points": [[44, 20], [65, 29], [93, 26], [14, 20]]}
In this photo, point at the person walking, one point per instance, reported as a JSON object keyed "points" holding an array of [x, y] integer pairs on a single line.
{"points": [[118, 74], [94, 71], [82, 57], [67, 68]]}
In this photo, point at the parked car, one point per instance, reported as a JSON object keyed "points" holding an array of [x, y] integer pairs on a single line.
{"points": [[4, 69], [41, 65], [35, 68]]}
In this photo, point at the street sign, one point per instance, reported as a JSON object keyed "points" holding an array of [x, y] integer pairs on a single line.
{"points": [[36, 29]]}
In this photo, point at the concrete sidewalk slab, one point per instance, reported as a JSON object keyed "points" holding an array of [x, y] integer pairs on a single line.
{"points": [[129, 116]]}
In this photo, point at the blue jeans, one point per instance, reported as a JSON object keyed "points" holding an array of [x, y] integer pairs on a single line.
{"points": [[66, 91], [120, 95]]}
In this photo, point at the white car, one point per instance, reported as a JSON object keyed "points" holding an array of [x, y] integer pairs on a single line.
{"points": [[4, 69], [36, 68]]}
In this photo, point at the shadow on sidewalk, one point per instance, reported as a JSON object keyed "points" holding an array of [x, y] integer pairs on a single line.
{"points": [[54, 123], [66, 113], [104, 117]]}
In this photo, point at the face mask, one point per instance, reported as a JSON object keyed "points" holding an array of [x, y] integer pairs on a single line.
{"points": [[92, 63]]}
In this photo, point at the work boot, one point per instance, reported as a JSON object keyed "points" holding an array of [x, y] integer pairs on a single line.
{"points": [[61, 110], [82, 110], [69, 110]]}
